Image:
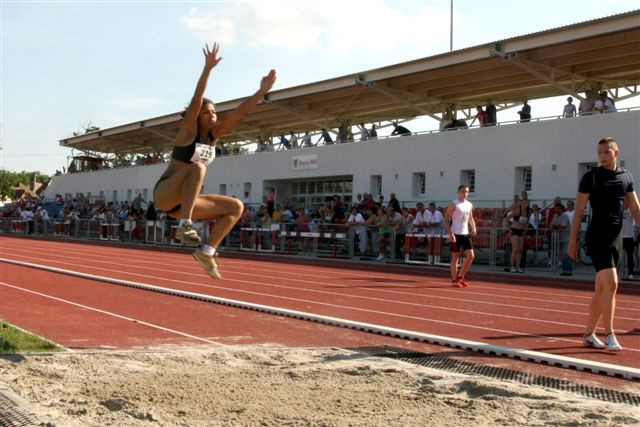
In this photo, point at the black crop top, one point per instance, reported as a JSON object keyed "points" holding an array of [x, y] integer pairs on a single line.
{"points": [[185, 153]]}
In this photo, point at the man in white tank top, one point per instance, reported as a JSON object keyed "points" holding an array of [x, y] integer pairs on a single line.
{"points": [[460, 225]]}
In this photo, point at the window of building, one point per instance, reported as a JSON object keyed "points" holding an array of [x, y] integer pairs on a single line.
{"points": [[419, 184], [523, 179], [468, 178], [376, 185], [223, 189]]}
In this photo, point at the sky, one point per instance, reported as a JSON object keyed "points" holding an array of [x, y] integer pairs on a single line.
{"points": [[67, 64]]}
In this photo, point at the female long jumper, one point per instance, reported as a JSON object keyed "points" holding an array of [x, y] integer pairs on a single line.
{"points": [[177, 190]]}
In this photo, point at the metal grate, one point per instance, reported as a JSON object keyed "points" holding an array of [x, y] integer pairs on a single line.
{"points": [[449, 364], [10, 416]]}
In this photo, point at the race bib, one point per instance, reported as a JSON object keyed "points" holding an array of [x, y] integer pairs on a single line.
{"points": [[204, 154]]}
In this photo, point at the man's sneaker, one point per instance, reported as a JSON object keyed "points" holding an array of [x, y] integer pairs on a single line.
{"points": [[612, 343], [592, 340], [463, 282], [380, 257], [630, 277], [513, 270], [208, 263], [187, 234], [519, 270], [456, 283]]}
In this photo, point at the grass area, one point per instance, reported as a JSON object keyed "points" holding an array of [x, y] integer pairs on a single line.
{"points": [[13, 340]]}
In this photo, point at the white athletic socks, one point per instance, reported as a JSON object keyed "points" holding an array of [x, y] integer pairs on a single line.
{"points": [[208, 250], [184, 221]]}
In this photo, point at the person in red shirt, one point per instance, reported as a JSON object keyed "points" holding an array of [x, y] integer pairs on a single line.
{"points": [[481, 117]]}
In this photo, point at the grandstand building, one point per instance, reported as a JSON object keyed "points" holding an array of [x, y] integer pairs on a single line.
{"points": [[545, 157]]}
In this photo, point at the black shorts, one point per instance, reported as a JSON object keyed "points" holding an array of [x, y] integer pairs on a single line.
{"points": [[517, 232], [604, 250], [463, 243]]}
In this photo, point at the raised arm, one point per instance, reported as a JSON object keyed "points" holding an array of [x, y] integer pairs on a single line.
{"points": [[189, 128], [581, 204], [247, 106]]}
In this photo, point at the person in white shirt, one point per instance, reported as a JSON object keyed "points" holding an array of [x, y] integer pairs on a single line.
{"points": [[356, 220], [535, 219], [293, 140], [460, 226], [571, 209], [364, 133], [604, 104], [27, 216], [419, 221], [569, 109], [434, 220]]}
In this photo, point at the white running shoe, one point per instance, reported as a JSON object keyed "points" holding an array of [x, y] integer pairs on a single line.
{"points": [[592, 340], [612, 343], [187, 234], [380, 257], [208, 263], [513, 270]]}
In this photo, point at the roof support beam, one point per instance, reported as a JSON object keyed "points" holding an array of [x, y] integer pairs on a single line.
{"points": [[297, 113], [388, 92]]}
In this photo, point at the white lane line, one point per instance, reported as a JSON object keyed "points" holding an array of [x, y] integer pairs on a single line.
{"points": [[534, 356], [341, 294], [390, 314], [242, 269], [109, 313]]}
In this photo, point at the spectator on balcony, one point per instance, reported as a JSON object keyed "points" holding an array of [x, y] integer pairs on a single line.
{"points": [[400, 130], [293, 140], [306, 140], [525, 112], [326, 137], [569, 109], [373, 134], [491, 112], [605, 104], [284, 143], [481, 117], [364, 133], [356, 221], [588, 104]]}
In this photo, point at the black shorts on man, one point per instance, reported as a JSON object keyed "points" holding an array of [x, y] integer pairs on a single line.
{"points": [[463, 243]]}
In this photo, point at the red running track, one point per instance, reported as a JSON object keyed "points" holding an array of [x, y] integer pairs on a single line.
{"points": [[536, 314]]}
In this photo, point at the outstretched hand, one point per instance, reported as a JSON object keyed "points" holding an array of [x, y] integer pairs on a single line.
{"points": [[267, 81], [211, 58]]}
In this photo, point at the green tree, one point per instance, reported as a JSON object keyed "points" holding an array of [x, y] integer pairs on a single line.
{"points": [[9, 180]]}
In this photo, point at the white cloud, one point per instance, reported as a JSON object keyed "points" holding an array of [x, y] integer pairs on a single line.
{"points": [[210, 26], [335, 28]]}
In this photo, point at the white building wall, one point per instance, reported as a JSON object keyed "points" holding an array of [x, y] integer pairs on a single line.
{"points": [[493, 152]]}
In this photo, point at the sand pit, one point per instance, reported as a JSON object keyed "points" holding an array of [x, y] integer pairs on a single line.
{"points": [[261, 385]]}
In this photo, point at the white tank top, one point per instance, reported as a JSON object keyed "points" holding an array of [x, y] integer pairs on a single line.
{"points": [[460, 217]]}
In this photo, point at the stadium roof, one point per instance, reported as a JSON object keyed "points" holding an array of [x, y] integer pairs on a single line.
{"points": [[599, 54]]}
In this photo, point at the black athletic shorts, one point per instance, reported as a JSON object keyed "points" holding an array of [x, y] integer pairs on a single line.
{"points": [[463, 243], [604, 250], [517, 232]]}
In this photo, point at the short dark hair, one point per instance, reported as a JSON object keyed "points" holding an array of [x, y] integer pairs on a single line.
{"points": [[461, 186]]}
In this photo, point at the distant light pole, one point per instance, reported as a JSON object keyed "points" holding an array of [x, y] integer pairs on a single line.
{"points": [[451, 27]]}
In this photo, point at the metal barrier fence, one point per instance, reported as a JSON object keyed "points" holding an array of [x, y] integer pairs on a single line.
{"points": [[543, 250]]}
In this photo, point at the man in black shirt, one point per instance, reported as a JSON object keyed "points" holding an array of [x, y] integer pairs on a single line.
{"points": [[400, 130], [606, 188]]}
